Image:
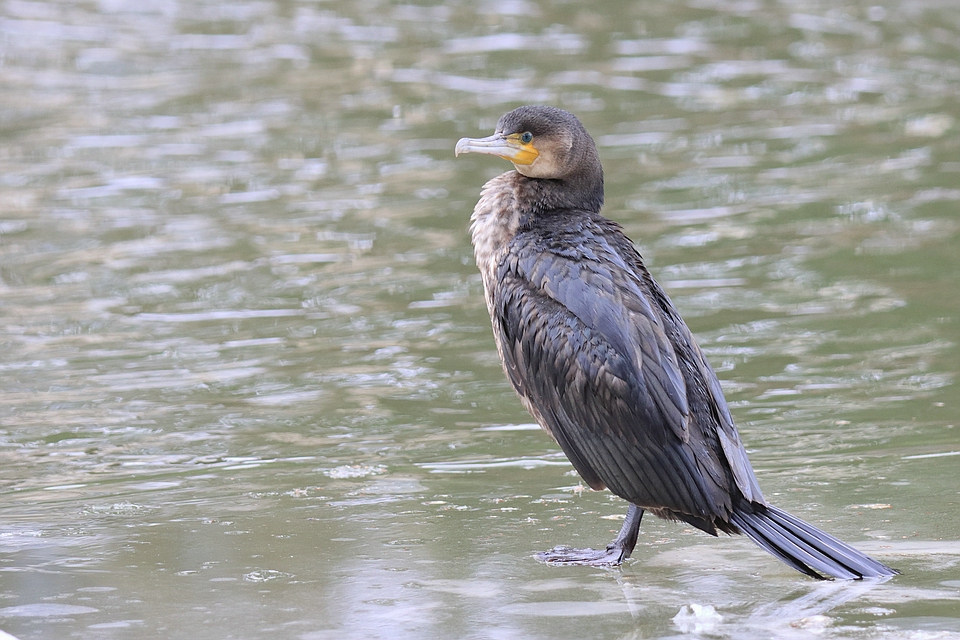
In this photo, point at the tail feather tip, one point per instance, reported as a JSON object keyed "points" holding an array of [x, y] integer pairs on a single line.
{"points": [[805, 547]]}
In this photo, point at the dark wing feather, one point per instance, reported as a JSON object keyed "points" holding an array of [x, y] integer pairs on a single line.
{"points": [[605, 296], [733, 450], [589, 355], [716, 430]]}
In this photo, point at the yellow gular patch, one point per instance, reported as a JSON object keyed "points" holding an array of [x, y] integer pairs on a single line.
{"points": [[524, 152]]}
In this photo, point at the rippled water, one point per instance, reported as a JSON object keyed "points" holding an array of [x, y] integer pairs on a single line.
{"points": [[249, 384]]}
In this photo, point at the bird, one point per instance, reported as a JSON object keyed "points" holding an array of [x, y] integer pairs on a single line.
{"points": [[603, 361]]}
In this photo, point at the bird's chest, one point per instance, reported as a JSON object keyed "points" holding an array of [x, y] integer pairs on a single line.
{"points": [[493, 226]]}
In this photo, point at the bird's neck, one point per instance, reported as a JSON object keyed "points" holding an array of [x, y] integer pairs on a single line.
{"points": [[577, 193]]}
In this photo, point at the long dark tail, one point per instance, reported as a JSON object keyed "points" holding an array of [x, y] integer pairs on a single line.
{"points": [[804, 547]]}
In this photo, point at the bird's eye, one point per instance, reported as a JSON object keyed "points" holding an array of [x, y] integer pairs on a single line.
{"points": [[526, 137]]}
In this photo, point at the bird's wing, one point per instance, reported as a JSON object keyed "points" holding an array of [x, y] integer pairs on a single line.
{"points": [[727, 440], [733, 450], [589, 355]]}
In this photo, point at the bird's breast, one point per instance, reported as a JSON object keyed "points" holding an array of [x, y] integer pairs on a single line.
{"points": [[493, 225]]}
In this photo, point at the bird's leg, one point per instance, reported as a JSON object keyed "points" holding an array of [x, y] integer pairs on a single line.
{"points": [[629, 532], [615, 553]]}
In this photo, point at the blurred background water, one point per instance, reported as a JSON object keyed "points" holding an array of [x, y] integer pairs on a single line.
{"points": [[249, 385]]}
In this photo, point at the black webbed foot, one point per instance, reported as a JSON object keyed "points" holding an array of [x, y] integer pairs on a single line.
{"points": [[613, 556]]}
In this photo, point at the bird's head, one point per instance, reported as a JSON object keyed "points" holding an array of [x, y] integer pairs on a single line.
{"points": [[550, 146], [541, 142]]}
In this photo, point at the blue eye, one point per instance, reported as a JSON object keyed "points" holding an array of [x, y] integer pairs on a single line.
{"points": [[526, 138]]}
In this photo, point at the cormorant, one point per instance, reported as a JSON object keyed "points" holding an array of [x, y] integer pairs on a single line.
{"points": [[604, 362]]}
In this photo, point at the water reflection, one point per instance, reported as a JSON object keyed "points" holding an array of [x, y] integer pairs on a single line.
{"points": [[249, 386]]}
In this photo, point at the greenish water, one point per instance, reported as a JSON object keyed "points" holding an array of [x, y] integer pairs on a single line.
{"points": [[249, 385]]}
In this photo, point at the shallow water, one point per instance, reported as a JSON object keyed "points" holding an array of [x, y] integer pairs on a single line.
{"points": [[249, 384]]}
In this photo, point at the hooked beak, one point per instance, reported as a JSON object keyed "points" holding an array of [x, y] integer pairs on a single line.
{"points": [[508, 147]]}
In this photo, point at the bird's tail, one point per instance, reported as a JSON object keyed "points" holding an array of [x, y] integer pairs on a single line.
{"points": [[804, 547]]}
